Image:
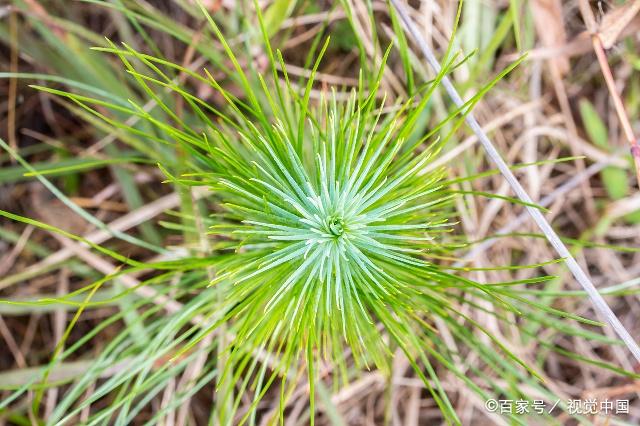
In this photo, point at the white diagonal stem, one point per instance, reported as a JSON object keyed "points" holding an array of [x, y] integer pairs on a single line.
{"points": [[598, 301]]}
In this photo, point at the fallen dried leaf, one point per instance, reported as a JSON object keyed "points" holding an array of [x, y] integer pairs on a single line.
{"points": [[616, 20]]}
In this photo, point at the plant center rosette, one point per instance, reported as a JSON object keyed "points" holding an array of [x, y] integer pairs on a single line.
{"points": [[331, 234]]}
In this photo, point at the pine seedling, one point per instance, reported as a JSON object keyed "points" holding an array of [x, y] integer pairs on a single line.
{"points": [[327, 251], [327, 232]]}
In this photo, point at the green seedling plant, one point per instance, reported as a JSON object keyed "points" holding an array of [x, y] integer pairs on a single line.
{"points": [[323, 248]]}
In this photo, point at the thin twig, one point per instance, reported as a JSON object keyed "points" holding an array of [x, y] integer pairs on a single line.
{"points": [[546, 201], [146, 292], [99, 236], [12, 345], [7, 261], [598, 48], [599, 303]]}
